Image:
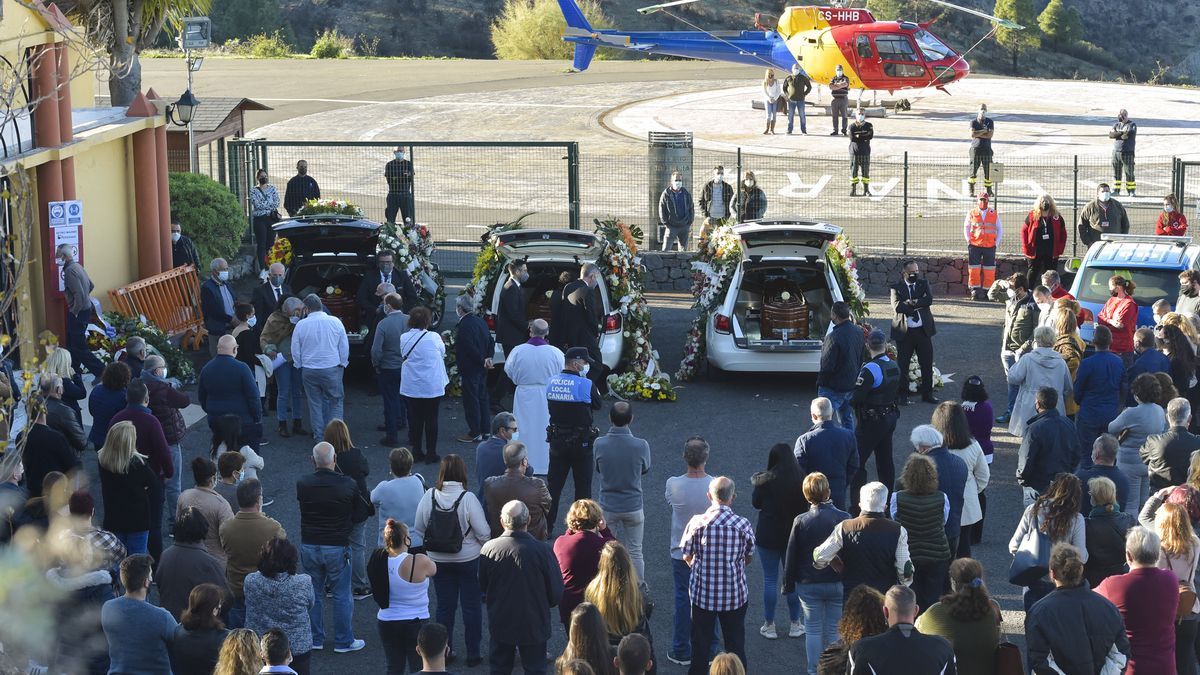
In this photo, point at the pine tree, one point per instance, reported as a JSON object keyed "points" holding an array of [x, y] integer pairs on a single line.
{"points": [[1061, 25], [1016, 41]]}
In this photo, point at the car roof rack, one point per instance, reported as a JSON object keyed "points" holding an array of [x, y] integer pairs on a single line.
{"points": [[1145, 239]]}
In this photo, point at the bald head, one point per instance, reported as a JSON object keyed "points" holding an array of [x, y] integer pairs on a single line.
{"points": [[514, 516], [227, 345], [324, 456], [721, 490], [539, 328]]}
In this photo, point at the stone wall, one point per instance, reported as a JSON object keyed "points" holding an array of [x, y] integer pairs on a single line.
{"points": [[947, 275]]}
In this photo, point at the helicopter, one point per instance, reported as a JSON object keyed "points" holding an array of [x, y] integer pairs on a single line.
{"points": [[874, 55]]}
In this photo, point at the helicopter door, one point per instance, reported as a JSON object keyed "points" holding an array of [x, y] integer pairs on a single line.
{"points": [[864, 55], [899, 57]]}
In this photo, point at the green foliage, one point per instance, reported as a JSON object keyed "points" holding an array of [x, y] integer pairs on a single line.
{"points": [[894, 10], [533, 29], [210, 214], [1016, 41], [244, 19], [261, 46], [1061, 25], [331, 44]]}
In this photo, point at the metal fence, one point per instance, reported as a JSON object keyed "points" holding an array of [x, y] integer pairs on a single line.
{"points": [[917, 204]]}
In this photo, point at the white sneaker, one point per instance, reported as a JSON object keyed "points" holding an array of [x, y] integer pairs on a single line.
{"points": [[768, 631], [796, 629], [354, 646]]}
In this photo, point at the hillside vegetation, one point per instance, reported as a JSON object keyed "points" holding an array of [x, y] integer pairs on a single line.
{"points": [[1093, 39]]}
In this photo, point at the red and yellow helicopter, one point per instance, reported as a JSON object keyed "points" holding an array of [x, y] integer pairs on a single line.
{"points": [[875, 55]]}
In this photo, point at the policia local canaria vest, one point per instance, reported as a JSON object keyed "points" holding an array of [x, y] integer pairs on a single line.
{"points": [[878, 384]]}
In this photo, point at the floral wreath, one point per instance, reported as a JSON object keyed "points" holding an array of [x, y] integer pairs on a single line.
{"points": [[336, 207], [413, 247], [712, 271], [107, 339]]}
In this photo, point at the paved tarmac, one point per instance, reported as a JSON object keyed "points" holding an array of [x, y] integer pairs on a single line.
{"points": [[741, 417]]}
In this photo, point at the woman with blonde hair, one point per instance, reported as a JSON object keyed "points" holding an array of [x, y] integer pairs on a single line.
{"points": [[58, 362], [1149, 513], [128, 486], [1043, 238], [578, 553], [587, 641], [1067, 342], [240, 655], [726, 664], [621, 597], [1186, 324], [1105, 528], [1180, 553], [772, 92], [353, 463]]}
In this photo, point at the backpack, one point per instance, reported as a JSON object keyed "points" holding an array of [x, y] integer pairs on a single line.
{"points": [[443, 533]]}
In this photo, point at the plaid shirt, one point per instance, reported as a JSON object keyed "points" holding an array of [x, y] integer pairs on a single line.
{"points": [[719, 542], [104, 551]]}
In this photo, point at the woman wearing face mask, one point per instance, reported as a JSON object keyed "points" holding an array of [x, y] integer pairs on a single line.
{"points": [[276, 341], [244, 321], [264, 209], [1043, 237], [1120, 315], [772, 91], [751, 201], [1171, 222]]}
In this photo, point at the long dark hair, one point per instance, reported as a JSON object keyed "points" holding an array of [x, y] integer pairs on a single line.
{"points": [[783, 479], [201, 602], [587, 640], [1058, 506], [973, 390], [969, 601], [950, 419], [1180, 347]]}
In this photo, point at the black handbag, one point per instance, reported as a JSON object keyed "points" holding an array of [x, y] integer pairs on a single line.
{"points": [[1028, 566]]}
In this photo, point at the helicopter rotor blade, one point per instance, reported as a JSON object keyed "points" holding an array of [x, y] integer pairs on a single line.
{"points": [[658, 8], [1004, 23]]}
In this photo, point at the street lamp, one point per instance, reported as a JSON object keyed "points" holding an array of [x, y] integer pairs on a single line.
{"points": [[181, 112], [195, 33]]}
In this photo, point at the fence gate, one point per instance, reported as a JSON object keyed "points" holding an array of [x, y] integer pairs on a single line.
{"points": [[1186, 188]]}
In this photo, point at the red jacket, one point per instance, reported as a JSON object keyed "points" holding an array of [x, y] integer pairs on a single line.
{"points": [[1029, 234], [1172, 224], [1124, 310]]}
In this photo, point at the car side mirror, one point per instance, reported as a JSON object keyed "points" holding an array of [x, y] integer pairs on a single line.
{"points": [[1073, 265]]}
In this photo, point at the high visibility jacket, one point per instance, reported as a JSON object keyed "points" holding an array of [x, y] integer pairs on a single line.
{"points": [[982, 229]]}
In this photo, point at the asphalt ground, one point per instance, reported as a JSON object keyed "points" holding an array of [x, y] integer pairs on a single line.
{"points": [[741, 416]]}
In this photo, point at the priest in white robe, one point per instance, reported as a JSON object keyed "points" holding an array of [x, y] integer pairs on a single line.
{"points": [[530, 366]]}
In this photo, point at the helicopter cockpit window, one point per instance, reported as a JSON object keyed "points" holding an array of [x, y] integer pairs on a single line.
{"points": [[863, 44], [895, 48], [933, 48]]}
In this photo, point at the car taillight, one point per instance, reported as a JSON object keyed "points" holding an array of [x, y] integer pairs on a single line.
{"points": [[612, 323], [721, 323], [491, 321]]}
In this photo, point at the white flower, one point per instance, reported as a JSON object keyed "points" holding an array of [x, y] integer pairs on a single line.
{"points": [[655, 386], [786, 296], [626, 333], [329, 290], [549, 294]]}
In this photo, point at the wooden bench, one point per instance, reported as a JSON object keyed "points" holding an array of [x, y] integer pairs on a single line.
{"points": [[170, 301]]}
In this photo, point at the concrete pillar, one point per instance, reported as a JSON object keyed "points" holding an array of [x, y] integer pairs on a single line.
{"points": [[145, 185], [46, 122], [164, 197], [66, 123]]}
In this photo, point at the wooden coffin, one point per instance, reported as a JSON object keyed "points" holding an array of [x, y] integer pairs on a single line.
{"points": [[345, 309], [785, 313]]}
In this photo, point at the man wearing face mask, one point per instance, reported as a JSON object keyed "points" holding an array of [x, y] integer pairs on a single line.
{"points": [[572, 398], [861, 133], [269, 294], [1124, 135], [368, 301], [1020, 318], [183, 249], [839, 107], [264, 211], [982, 130], [796, 87], [1188, 302], [1043, 239], [913, 329], [1102, 215], [300, 188], [982, 230], [751, 201], [216, 302], [675, 213], [715, 200], [582, 319], [399, 175], [512, 324], [78, 288]]}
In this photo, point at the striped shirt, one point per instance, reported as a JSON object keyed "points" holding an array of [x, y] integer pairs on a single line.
{"points": [[718, 542]]}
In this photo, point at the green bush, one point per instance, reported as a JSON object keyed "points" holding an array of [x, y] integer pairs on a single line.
{"points": [[274, 46], [210, 215], [533, 29], [331, 44]]}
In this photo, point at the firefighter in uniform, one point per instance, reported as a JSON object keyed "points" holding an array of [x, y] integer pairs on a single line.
{"points": [[981, 229], [1124, 135], [982, 130], [874, 398], [571, 397], [861, 133]]}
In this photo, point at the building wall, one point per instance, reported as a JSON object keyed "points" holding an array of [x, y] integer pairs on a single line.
{"points": [[103, 181]]}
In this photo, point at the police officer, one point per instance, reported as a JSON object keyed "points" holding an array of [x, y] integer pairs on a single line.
{"points": [[875, 395], [1124, 135], [982, 130], [861, 133], [571, 397]]}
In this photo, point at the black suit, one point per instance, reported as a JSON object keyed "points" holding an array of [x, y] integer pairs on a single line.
{"points": [[368, 302], [918, 339], [512, 320], [265, 301], [581, 328], [1167, 455]]}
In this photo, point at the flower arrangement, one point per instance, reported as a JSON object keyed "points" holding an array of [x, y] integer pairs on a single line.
{"points": [[281, 252], [107, 340], [844, 261], [940, 379], [454, 387], [333, 207], [489, 262], [413, 248]]}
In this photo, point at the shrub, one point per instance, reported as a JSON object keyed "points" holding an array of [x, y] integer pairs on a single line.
{"points": [[533, 29], [274, 46], [210, 215], [331, 44]]}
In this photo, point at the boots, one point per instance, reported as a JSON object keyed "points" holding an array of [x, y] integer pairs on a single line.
{"points": [[298, 428], [771, 127], [866, 190], [283, 430], [853, 190], [768, 129]]}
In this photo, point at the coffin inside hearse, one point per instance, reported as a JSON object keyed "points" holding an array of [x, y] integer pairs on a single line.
{"points": [[782, 303]]}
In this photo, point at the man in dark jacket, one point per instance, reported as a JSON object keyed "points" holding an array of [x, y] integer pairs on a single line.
{"points": [[1147, 359], [367, 297], [216, 302], [59, 416], [1102, 215], [1050, 446], [473, 353], [581, 320], [512, 322], [520, 581], [326, 500], [135, 356], [841, 357], [226, 387], [716, 198], [796, 87], [45, 450], [300, 188], [1104, 465], [902, 649], [828, 448], [913, 329], [1020, 318], [77, 288], [183, 249], [517, 484], [267, 295], [951, 473], [676, 213], [1168, 454], [809, 530]]}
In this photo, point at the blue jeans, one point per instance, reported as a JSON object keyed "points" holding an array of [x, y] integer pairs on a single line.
{"points": [[329, 565], [841, 406], [395, 414], [323, 387], [135, 542], [793, 106], [1089, 431], [173, 485], [1008, 360], [477, 407], [455, 584], [822, 605], [771, 560], [237, 614], [289, 404]]}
